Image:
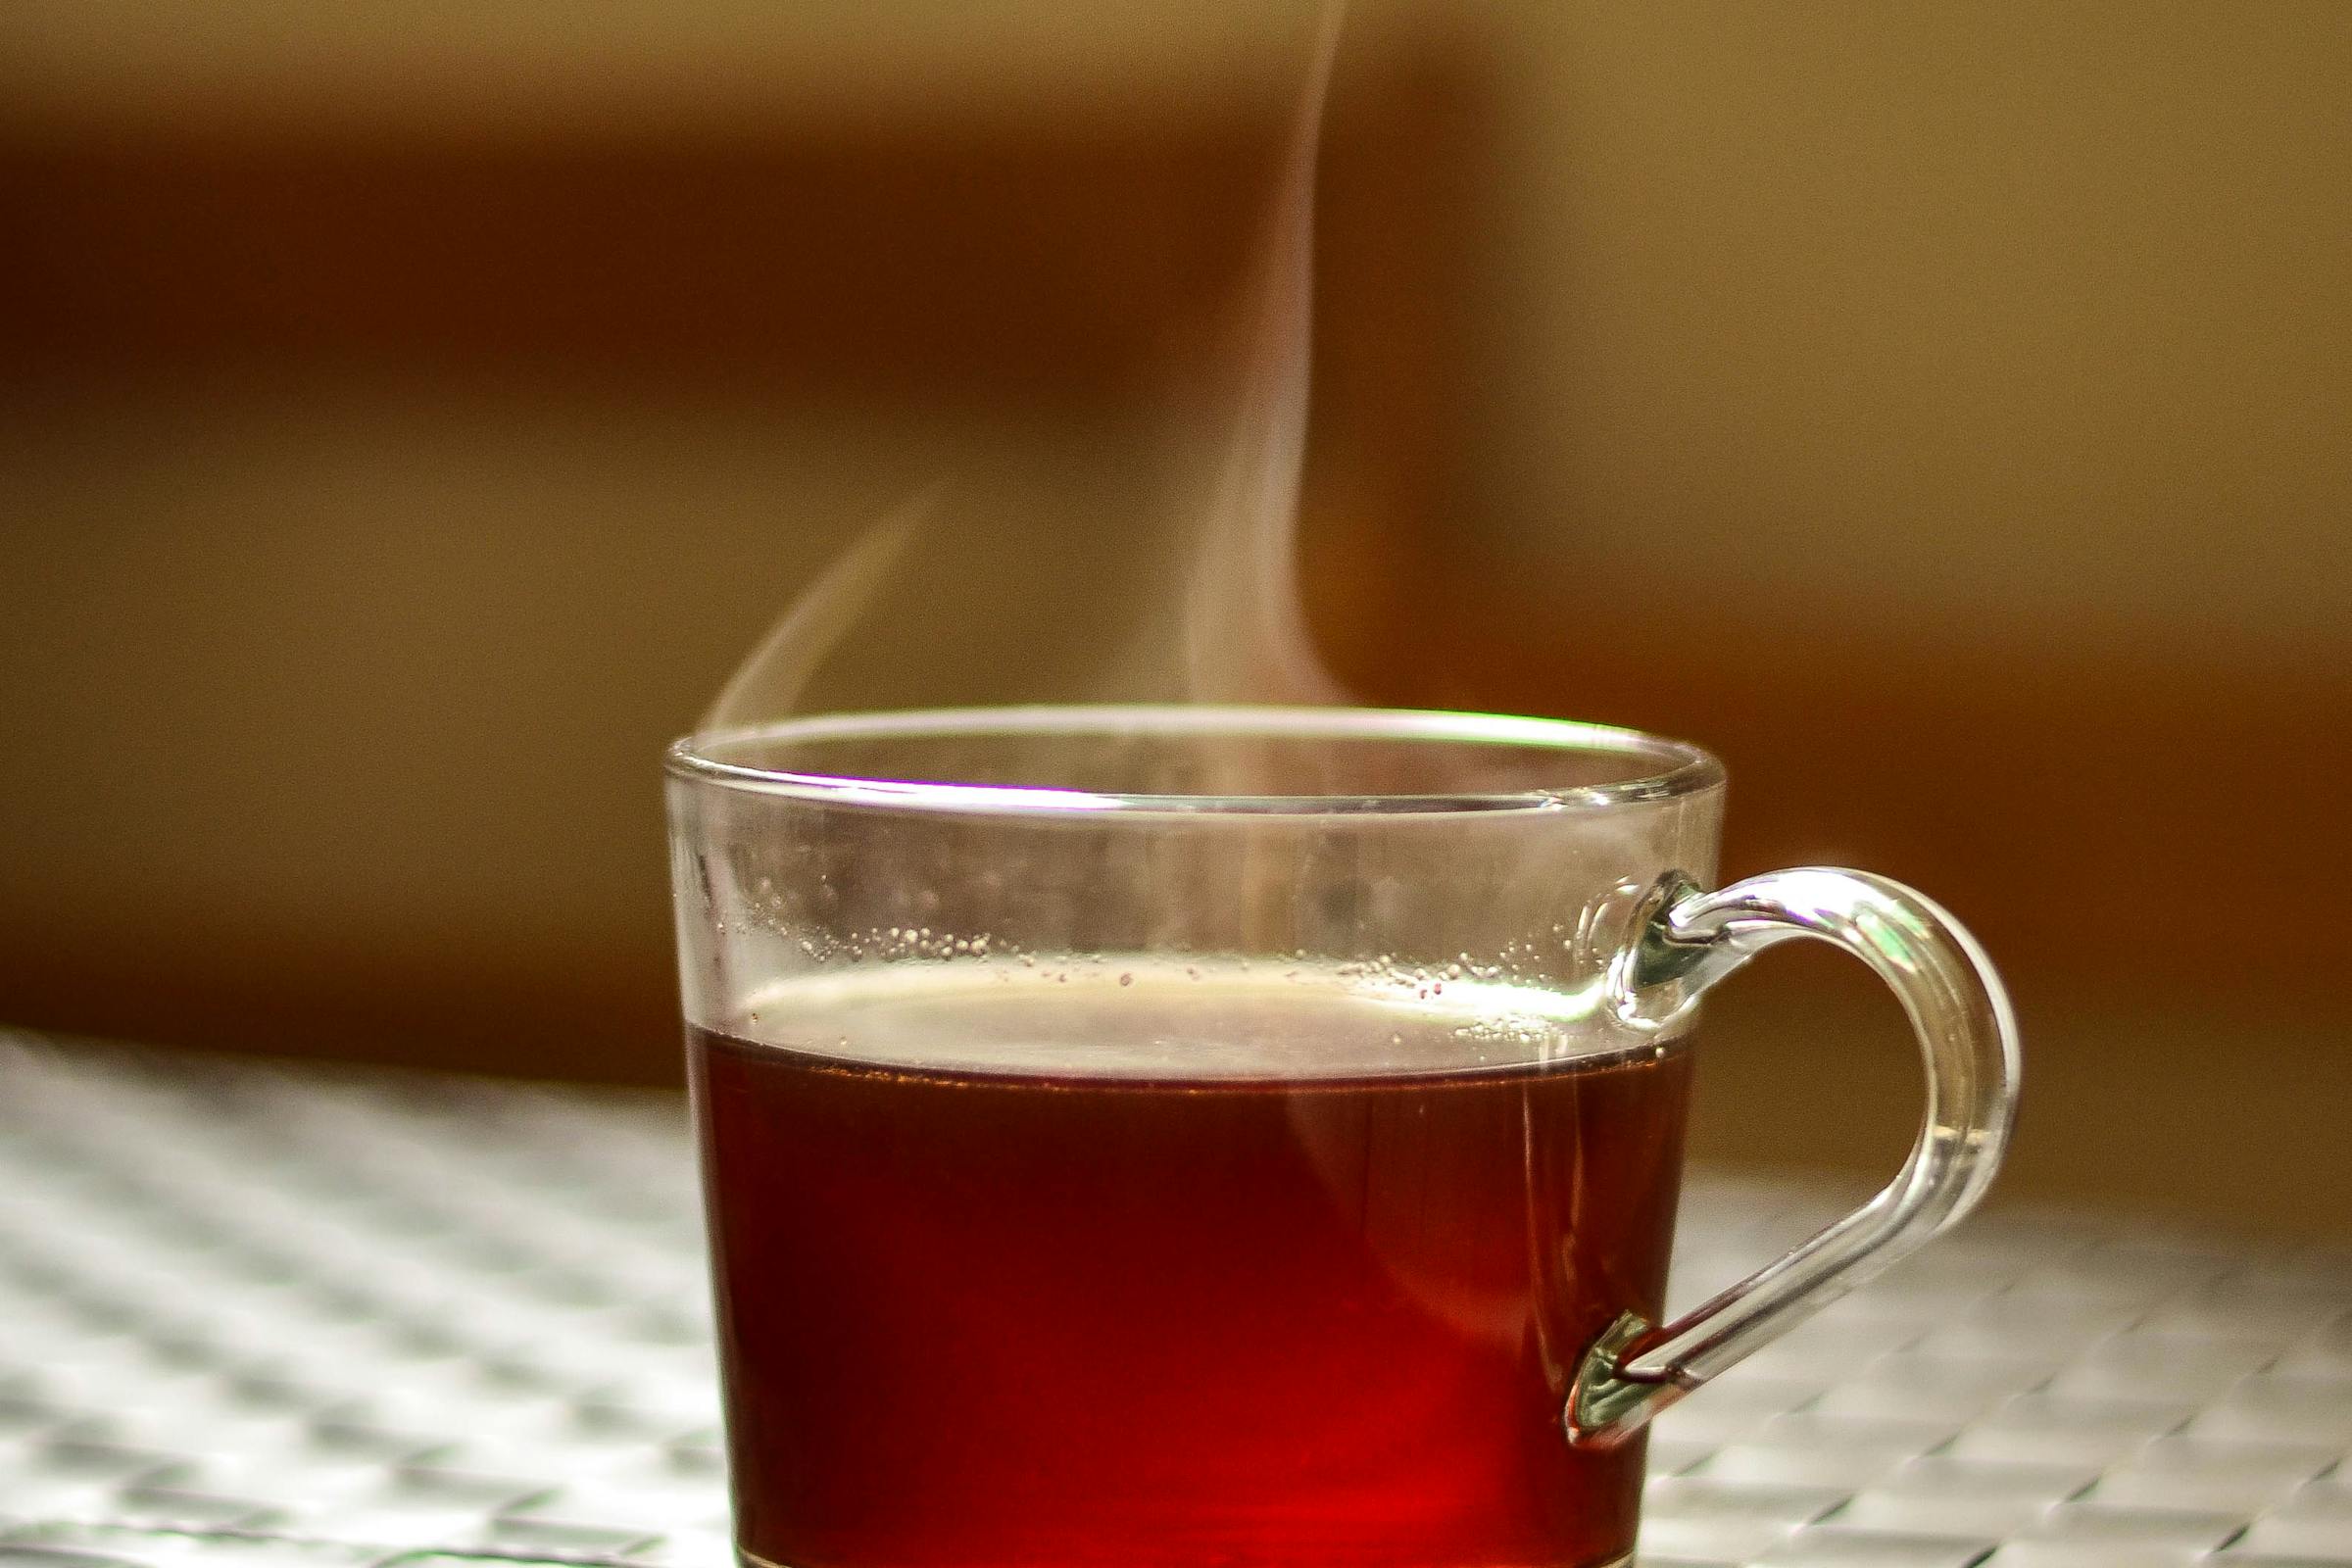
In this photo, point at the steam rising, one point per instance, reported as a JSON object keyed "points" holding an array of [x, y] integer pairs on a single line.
{"points": [[1245, 627], [1202, 596], [769, 684]]}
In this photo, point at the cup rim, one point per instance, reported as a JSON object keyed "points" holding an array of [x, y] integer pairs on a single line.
{"points": [[1675, 769]]}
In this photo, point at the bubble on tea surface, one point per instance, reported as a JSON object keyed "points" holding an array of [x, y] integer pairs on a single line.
{"points": [[1152, 1017]]}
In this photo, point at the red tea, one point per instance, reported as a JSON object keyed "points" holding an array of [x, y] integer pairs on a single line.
{"points": [[1148, 1265]]}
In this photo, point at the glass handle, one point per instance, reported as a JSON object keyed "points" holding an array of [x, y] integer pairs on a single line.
{"points": [[1968, 1036]]}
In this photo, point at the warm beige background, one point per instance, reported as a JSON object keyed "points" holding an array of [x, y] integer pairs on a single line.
{"points": [[1955, 398]]}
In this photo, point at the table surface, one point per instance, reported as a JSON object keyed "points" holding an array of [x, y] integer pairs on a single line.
{"points": [[320, 1319]]}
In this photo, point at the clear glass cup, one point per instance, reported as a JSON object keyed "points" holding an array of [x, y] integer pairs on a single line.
{"points": [[1195, 1135]]}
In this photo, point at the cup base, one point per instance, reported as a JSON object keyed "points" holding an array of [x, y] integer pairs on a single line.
{"points": [[752, 1559]]}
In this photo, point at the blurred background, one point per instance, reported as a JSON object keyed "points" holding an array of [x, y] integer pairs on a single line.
{"points": [[412, 414]]}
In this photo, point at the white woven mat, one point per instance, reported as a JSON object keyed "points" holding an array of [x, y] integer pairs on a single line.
{"points": [[317, 1320]]}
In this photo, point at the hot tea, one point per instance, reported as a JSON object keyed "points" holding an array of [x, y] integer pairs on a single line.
{"points": [[1131, 1262]]}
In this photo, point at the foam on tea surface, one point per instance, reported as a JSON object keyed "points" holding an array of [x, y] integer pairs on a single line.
{"points": [[1157, 1020]]}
